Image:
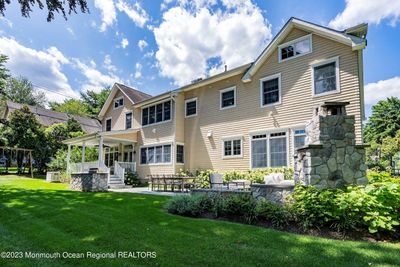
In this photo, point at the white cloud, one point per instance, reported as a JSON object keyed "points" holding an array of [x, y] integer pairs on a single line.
{"points": [[124, 43], [138, 72], [96, 80], [43, 68], [381, 90], [135, 12], [142, 44], [192, 35], [149, 54], [108, 13], [107, 64], [370, 11], [6, 21], [71, 31]]}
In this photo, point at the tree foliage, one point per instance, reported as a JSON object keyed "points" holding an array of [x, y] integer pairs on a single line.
{"points": [[70, 106], [21, 90], [52, 6], [384, 121], [95, 101], [3, 73]]}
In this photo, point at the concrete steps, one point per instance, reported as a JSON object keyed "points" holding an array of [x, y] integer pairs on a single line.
{"points": [[116, 182]]}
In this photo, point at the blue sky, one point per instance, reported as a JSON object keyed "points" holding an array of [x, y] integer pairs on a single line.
{"points": [[157, 46]]}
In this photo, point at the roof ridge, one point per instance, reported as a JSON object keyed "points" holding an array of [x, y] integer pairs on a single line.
{"points": [[134, 89]]}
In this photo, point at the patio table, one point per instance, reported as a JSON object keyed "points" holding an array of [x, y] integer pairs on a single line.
{"points": [[182, 182]]}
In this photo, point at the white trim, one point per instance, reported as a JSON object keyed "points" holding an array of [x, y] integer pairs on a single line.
{"points": [[293, 135], [155, 145], [234, 97], [155, 113], [232, 138], [305, 37], [267, 78], [117, 99], [110, 97], [105, 124], [337, 73], [188, 101]]}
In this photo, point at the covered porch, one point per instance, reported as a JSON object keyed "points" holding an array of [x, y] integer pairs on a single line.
{"points": [[116, 155]]}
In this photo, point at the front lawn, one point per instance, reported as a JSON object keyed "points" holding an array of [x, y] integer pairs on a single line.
{"points": [[41, 217]]}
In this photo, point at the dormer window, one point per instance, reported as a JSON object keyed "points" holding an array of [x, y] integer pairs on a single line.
{"points": [[118, 102], [295, 48]]}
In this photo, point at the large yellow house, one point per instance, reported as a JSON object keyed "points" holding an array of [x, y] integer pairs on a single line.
{"points": [[252, 116]]}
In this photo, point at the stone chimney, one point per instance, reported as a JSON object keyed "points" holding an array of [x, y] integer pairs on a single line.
{"points": [[330, 158]]}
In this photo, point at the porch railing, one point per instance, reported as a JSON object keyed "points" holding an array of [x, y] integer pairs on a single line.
{"points": [[128, 166], [86, 166], [119, 170]]}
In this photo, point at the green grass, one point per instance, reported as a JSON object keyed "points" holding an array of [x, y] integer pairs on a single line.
{"points": [[42, 217]]}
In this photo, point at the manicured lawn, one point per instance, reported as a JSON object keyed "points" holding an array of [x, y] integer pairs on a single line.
{"points": [[41, 217]]}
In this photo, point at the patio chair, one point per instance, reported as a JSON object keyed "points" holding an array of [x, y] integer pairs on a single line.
{"points": [[216, 182], [274, 178]]}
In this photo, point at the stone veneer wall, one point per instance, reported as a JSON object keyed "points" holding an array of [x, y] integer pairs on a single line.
{"points": [[276, 193], [331, 158], [89, 182]]}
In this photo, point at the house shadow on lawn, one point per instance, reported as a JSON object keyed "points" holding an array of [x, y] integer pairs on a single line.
{"points": [[62, 220]]}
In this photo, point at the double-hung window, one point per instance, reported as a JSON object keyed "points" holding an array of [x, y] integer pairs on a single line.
{"points": [[118, 102], [155, 154], [180, 154], [269, 150], [191, 107], [108, 125], [228, 98], [128, 120], [299, 138], [156, 113], [295, 48], [325, 77], [232, 147], [270, 88]]}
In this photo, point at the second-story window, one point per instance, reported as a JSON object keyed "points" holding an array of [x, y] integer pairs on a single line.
{"points": [[326, 77], [108, 125], [295, 48], [270, 90], [191, 107], [156, 113], [118, 102], [228, 98], [128, 120]]}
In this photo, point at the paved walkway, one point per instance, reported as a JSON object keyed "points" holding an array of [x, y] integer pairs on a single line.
{"points": [[144, 190]]}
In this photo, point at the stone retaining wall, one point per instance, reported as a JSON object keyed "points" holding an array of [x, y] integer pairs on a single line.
{"points": [[89, 182], [276, 193], [224, 192]]}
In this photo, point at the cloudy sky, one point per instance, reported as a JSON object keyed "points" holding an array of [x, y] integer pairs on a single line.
{"points": [[157, 46]]}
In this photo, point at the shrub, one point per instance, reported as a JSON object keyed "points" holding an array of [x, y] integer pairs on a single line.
{"points": [[132, 178], [278, 215], [257, 175], [192, 206], [241, 205]]}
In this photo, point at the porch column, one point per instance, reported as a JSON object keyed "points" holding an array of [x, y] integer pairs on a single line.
{"points": [[83, 152], [101, 149], [69, 159]]}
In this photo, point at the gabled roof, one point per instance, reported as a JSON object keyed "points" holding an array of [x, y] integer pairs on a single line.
{"points": [[133, 95], [47, 117], [350, 37]]}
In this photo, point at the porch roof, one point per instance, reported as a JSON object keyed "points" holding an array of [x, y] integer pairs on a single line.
{"points": [[109, 138]]}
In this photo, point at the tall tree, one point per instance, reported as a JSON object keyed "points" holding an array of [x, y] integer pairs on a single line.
{"points": [[24, 131], [70, 106], [95, 101], [3, 73], [21, 90], [51, 5], [384, 121]]}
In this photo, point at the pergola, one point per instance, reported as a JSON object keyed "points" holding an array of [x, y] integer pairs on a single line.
{"points": [[17, 150]]}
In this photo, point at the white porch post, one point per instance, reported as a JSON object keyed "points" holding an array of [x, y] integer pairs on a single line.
{"points": [[101, 150], [83, 152], [69, 159]]}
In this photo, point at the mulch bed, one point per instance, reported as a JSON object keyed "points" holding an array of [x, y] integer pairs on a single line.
{"points": [[320, 232]]}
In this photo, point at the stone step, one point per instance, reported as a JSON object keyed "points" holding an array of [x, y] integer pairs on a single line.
{"points": [[116, 186]]}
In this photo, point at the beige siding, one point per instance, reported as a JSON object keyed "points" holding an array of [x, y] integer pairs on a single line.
{"points": [[296, 107], [117, 115]]}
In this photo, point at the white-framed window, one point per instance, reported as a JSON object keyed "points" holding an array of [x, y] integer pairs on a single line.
{"points": [[232, 147], [159, 154], [108, 124], [118, 102], [156, 113], [325, 77], [227, 98], [269, 149], [180, 153], [191, 107], [270, 90], [299, 138], [298, 47], [128, 120]]}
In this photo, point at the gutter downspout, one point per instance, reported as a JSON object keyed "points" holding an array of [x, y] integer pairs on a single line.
{"points": [[361, 86], [174, 129]]}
